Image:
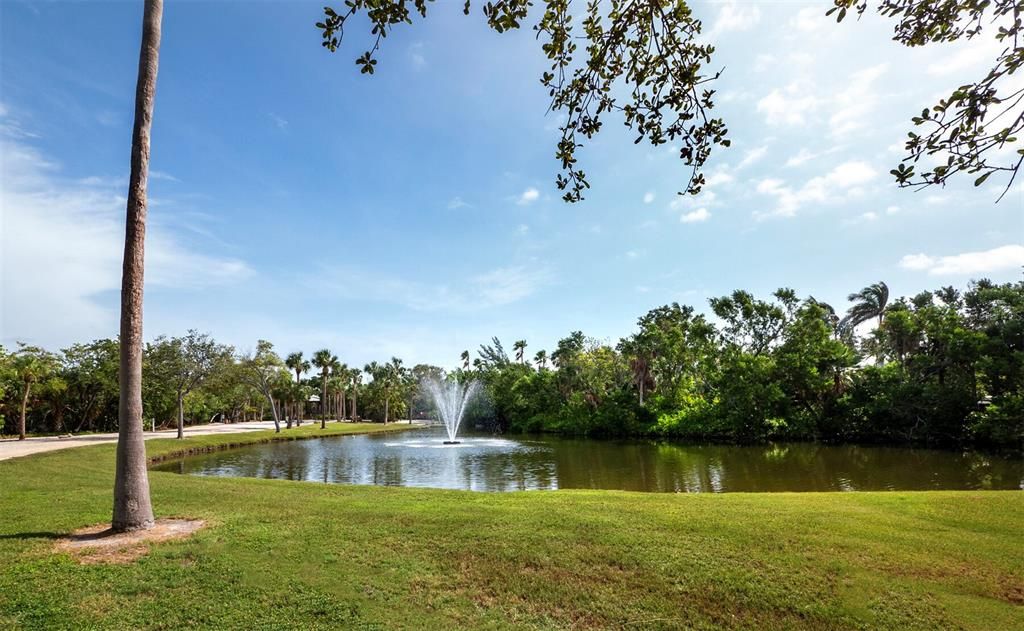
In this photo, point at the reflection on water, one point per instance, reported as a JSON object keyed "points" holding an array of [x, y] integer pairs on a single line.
{"points": [[484, 463]]}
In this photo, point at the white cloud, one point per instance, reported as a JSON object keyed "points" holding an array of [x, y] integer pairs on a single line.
{"points": [[61, 247], [522, 229], [851, 173], [810, 19], [506, 285], [280, 122], [10, 127], [696, 216], [806, 155], [162, 175], [997, 259], [108, 118], [763, 62], [648, 197], [788, 106], [528, 196], [977, 52], [494, 288], [892, 210], [735, 17], [850, 107], [717, 178], [457, 203], [416, 57], [632, 254], [840, 183], [752, 156], [801, 156], [856, 102]]}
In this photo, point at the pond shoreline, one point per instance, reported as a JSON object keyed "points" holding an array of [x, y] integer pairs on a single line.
{"points": [[259, 437]]}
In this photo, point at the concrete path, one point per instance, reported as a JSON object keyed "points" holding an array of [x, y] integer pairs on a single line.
{"points": [[14, 448]]}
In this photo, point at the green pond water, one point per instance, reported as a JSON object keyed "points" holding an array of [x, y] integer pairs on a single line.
{"points": [[516, 463]]}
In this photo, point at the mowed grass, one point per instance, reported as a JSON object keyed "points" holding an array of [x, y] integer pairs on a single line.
{"points": [[280, 554]]}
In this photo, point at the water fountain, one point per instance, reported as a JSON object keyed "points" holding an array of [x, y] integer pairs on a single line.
{"points": [[451, 398]]}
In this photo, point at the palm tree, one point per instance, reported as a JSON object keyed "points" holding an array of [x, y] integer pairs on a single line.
{"points": [[841, 330], [520, 348], [336, 387], [386, 376], [870, 303], [325, 362], [541, 358], [465, 360], [296, 363], [355, 379], [31, 365], [133, 509], [376, 371], [829, 315], [342, 377], [396, 374]]}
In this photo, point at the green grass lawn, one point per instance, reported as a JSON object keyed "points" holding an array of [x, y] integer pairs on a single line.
{"points": [[281, 554]]}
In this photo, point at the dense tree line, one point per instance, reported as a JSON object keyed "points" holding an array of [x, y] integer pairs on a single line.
{"points": [[941, 367], [193, 379]]}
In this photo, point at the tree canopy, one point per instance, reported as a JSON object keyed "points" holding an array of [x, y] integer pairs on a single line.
{"points": [[646, 61]]}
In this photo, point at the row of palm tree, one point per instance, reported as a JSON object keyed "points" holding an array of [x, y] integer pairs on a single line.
{"points": [[339, 384]]}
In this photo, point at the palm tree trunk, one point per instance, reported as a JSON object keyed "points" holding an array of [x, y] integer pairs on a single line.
{"points": [[385, 407], [323, 404], [181, 416], [133, 509], [343, 393], [24, 409]]}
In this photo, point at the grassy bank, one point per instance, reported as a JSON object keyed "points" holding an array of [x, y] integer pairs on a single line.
{"points": [[293, 554]]}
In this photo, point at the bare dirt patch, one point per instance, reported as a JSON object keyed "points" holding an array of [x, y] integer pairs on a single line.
{"points": [[98, 544]]}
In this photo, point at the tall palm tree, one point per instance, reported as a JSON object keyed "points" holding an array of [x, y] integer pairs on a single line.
{"points": [[336, 388], [465, 360], [541, 358], [841, 330], [342, 384], [295, 362], [133, 509], [355, 379], [325, 362], [396, 374], [376, 371], [520, 348], [828, 314], [870, 302]]}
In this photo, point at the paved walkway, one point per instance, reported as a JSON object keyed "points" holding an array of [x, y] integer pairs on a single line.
{"points": [[14, 448]]}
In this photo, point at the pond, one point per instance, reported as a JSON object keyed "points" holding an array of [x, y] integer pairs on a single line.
{"points": [[517, 463]]}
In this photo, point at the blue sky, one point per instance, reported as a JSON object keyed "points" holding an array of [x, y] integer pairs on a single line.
{"points": [[413, 213]]}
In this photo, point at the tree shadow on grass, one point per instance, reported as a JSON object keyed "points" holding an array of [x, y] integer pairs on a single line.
{"points": [[33, 535]]}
